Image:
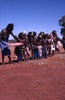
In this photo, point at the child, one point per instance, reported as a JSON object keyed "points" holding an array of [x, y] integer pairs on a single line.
{"points": [[18, 49], [18, 53], [22, 51]]}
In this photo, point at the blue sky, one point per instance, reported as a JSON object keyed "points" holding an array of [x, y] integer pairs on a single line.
{"points": [[29, 15]]}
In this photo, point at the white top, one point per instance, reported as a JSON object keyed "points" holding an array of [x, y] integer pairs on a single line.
{"points": [[2, 46]]}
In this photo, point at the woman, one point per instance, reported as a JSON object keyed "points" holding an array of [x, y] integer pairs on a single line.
{"points": [[4, 39]]}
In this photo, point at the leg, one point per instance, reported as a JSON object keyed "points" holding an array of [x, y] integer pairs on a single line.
{"points": [[3, 59], [9, 59]]}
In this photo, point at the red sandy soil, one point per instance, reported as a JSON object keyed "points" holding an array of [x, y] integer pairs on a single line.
{"points": [[33, 80]]}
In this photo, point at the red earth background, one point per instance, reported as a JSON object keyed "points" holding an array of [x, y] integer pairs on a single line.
{"points": [[33, 80]]}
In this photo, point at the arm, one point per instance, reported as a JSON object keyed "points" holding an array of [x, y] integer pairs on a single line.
{"points": [[15, 37]]}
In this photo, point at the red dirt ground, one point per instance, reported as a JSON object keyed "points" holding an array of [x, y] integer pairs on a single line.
{"points": [[33, 80]]}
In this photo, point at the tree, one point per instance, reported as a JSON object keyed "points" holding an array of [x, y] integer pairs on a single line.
{"points": [[62, 24]]}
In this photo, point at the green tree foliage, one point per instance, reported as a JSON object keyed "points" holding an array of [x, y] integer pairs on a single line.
{"points": [[62, 24]]}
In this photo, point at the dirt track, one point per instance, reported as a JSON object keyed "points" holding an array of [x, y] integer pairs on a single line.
{"points": [[34, 80]]}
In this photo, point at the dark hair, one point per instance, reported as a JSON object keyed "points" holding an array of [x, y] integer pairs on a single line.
{"points": [[10, 27], [20, 35], [34, 33], [54, 33]]}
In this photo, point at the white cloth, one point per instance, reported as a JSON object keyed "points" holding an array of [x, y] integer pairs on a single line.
{"points": [[2, 45], [59, 44], [52, 46], [40, 50]]}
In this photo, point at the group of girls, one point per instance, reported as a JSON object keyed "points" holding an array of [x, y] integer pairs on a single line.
{"points": [[33, 46]]}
